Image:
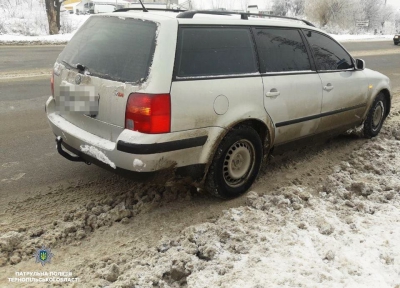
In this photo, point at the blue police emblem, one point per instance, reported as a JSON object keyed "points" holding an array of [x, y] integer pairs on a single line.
{"points": [[43, 255]]}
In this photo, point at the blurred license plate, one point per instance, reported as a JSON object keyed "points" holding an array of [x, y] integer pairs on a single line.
{"points": [[79, 99]]}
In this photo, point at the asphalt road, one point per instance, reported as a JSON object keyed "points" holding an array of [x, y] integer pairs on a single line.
{"points": [[18, 58], [29, 163]]}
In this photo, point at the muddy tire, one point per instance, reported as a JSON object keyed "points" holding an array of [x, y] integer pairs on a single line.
{"points": [[375, 117], [236, 163]]}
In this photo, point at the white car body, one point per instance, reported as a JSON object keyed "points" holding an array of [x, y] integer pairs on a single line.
{"points": [[205, 109]]}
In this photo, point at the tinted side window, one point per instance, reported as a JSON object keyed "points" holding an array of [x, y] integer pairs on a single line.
{"points": [[212, 51], [328, 54], [282, 50]]}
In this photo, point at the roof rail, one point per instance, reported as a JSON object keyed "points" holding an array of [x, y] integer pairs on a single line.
{"points": [[243, 15], [150, 9]]}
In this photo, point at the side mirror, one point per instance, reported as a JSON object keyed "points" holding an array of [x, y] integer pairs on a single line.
{"points": [[360, 64]]}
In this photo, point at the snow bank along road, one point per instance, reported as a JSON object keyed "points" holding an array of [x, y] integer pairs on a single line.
{"points": [[322, 215]]}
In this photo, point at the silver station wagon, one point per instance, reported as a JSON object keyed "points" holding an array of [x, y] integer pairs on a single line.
{"points": [[204, 93]]}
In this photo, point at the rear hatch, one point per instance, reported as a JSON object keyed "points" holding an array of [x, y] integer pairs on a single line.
{"points": [[107, 59]]}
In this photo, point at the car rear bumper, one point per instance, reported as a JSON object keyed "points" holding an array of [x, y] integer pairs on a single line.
{"points": [[196, 171], [133, 151]]}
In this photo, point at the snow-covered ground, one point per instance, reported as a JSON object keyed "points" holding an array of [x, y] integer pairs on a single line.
{"points": [[330, 219], [343, 233], [362, 37], [43, 40], [13, 33]]}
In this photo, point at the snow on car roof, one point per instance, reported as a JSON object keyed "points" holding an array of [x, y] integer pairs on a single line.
{"points": [[228, 19]]}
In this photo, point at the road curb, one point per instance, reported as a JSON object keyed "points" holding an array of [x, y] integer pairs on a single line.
{"points": [[32, 43]]}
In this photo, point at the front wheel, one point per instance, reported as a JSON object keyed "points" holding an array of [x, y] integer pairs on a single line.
{"points": [[375, 117], [236, 163]]}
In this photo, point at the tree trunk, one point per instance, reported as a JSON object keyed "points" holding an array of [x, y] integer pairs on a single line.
{"points": [[52, 16], [58, 9]]}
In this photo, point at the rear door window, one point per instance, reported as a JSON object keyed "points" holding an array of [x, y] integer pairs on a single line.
{"points": [[281, 50], [328, 54], [211, 51], [119, 49]]}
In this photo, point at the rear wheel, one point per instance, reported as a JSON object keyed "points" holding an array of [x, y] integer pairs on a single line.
{"points": [[236, 163], [375, 117]]}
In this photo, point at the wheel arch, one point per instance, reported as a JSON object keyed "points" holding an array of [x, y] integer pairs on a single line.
{"points": [[261, 128], [388, 99], [265, 132]]}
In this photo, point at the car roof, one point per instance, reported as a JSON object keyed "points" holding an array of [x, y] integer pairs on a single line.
{"points": [[207, 19]]}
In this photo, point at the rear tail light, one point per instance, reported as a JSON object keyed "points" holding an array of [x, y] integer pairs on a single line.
{"points": [[148, 113], [52, 83]]}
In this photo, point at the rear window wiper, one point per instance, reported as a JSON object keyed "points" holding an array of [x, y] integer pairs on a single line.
{"points": [[69, 65], [81, 68]]}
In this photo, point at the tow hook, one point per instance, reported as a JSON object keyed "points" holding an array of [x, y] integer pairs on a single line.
{"points": [[66, 155]]}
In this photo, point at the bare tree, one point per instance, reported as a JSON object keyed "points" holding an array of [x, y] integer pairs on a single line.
{"points": [[216, 4], [244, 4], [388, 13], [397, 21], [280, 7], [288, 7], [372, 10], [331, 11]]}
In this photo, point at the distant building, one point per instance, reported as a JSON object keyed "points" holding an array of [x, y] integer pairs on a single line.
{"points": [[252, 9], [68, 2], [70, 5]]}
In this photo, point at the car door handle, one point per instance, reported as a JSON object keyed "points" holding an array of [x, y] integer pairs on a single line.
{"points": [[328, 87], [273, 93]]}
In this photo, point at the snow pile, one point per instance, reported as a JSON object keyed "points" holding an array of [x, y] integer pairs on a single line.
{"points": [[138, 165], [344, 233], [79, 222], [41, 40], [96, 153], [361, 37], [69, 25], [28, 20]]}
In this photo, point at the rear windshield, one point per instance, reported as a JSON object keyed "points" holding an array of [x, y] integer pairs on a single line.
{"points": [[113, 48]]}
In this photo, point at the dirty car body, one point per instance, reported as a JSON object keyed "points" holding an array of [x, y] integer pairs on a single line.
{"points": [[146, 91]]}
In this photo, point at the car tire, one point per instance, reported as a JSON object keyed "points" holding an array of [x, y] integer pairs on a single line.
{"points": [[375, 117], [236, 163]]}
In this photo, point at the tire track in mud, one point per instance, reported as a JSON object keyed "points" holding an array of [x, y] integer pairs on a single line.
{"points": [[63, 198], [69, 213]]}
